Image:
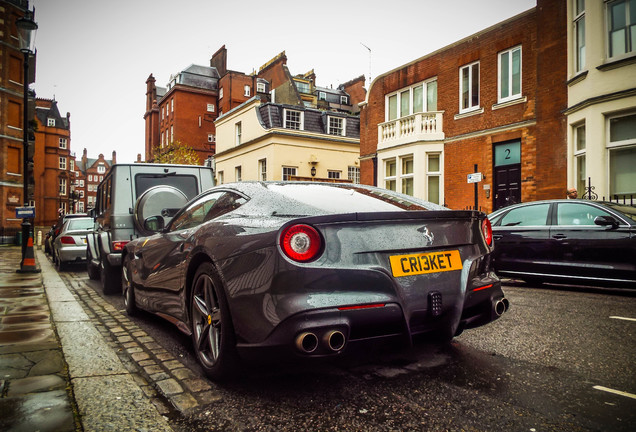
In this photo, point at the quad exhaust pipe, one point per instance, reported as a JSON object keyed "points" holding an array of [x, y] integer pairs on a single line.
{"points": [[501, 306], [332, 340]]}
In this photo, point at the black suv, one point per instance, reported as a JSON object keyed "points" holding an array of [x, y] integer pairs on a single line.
{"points": [[128, 195]]}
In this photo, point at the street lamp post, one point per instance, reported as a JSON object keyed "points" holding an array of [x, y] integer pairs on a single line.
{"points": [[26, 37]]}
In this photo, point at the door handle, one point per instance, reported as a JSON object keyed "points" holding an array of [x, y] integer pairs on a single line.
{"points": [[559, 236], [497, 236]]}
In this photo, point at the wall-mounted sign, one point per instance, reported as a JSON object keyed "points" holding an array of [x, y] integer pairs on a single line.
{"points": [[25, 212], [474, 177]]}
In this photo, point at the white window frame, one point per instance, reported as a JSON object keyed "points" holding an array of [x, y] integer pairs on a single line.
{"points": [[344, 100], [411, 94], [288, 171], [219, 177], [63, 143], [238, 173], [62, 164], [260, 87], [246, 91], [62, 186], [471, 107], [510, 53], [407, 176], [578, 39], [389, 178], [262, 169], [221, 93], [101, 169], [438, 174], [50, 122], [322, 95], [629, 51], [300, 122], [210, 107], [211, 138], [353, 174], [340, 130], [172, 105], [238, 133]]}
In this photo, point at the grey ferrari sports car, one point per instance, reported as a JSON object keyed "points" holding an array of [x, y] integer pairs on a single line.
{"points": [[254, 269]]}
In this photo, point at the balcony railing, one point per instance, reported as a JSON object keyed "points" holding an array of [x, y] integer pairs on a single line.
{"points": [[427, 126]]}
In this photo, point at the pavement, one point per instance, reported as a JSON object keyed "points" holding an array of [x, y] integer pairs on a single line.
{"points": [[58, 371]]}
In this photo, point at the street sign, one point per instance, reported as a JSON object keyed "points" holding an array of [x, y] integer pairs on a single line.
{"points": [[474, 177], [25, 212]]}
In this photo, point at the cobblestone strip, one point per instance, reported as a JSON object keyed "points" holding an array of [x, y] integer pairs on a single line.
{"points": [[158, 373]]}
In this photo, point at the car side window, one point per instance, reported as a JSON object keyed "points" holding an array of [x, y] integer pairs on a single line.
{"points": [[531, 215], [225, 204], [578, 214], [195, 213], [206, 208]]}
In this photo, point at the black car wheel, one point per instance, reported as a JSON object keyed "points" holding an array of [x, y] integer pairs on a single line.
{"points": [[109, 277], [91, 269], [212, 332], [127, 288], [59, 264]]}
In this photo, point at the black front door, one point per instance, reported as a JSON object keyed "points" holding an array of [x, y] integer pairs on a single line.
{"points": [[507, 185]]}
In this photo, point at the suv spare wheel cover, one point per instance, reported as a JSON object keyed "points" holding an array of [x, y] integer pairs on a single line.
{"points": [[156, 199]]}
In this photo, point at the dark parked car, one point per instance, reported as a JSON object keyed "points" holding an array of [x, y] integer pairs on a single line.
{"points": [[577, 241], [308, 269]]}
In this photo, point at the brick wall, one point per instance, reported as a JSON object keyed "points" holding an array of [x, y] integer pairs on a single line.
{"points": [[537, 121]]}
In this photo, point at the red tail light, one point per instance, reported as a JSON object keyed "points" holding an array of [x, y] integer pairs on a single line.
{"points": [[486, 230], [119, 245], [301, 243], [67, 240]]}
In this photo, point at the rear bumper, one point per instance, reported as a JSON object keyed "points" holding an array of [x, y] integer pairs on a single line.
{"points": [[371, 325], [72, 254]]}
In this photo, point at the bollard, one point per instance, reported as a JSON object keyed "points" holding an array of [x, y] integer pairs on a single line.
{"points": [[39, 239]]}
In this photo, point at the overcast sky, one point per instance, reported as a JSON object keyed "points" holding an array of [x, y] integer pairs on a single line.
{"points": [[94, 56]]}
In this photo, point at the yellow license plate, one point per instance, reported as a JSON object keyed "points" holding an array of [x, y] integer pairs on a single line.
{"points": [[433, 262]]}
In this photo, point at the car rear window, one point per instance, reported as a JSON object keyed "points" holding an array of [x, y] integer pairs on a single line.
{"points": [[80, 224], [345, 199], [185, 183]]}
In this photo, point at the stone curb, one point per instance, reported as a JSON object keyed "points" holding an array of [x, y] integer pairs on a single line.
{"points": [[160, 375], [108, 395]]}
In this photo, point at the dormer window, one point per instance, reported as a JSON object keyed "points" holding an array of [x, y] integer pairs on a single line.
{"points": [[322, 95], [50, 122], [260, 87], [336, 126], [344, 100], [293, 120]]}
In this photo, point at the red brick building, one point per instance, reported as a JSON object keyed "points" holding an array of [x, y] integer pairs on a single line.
{"points": [[11, 113], [186, 109], [90, 172], [492, 100], [53, 169]]}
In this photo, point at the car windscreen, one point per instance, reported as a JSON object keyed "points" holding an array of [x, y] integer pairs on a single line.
{"points": [[80, 224], [185, 183], [346, 199]]}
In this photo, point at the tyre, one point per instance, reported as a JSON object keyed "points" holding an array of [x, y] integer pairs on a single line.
{"points": [[91, 269], [109, 276], [59, 264], [212, 331], [128, 290]]}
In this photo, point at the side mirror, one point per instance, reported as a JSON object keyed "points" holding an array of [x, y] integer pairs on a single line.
{"points": [[154, 223], [606, 221]]}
